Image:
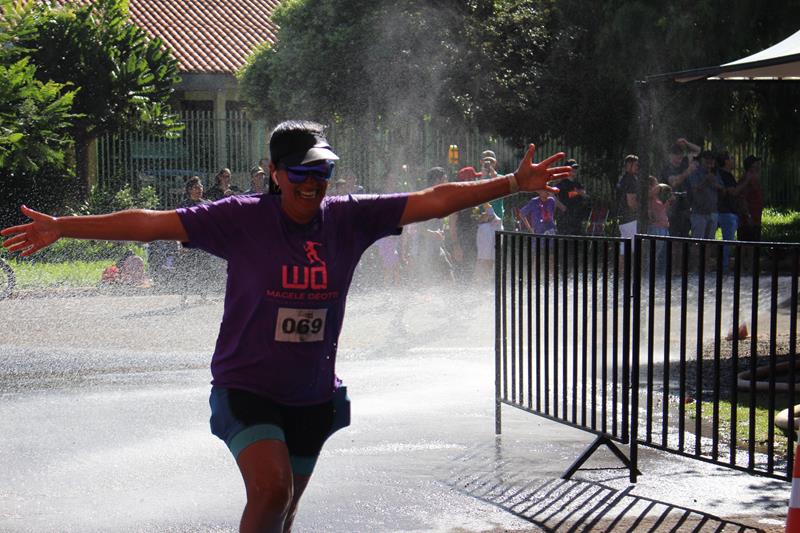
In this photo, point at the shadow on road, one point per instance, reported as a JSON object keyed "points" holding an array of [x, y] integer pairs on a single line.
{"points": [[560, 505]]}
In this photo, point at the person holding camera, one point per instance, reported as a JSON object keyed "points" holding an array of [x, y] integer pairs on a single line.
{"points": [[704, 185], [489, 170], [676, 174]]}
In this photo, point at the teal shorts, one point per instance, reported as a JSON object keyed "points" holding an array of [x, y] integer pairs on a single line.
{"points": [[241, 418]]}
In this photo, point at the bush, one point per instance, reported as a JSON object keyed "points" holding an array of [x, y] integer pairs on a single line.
{"points": [[68, 250], [101, 200], [105, 200], [780, 225]]}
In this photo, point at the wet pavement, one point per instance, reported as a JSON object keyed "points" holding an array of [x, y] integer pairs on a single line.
{"points": [[105, 428]]}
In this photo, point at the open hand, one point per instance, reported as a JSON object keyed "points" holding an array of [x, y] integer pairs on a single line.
{"points": [[29, 238], [535, 176]]}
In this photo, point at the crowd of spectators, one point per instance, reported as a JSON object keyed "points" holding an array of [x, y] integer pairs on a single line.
{"points": [[695, 193]]}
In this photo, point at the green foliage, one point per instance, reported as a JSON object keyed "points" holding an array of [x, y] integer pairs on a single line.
{"points": [[780, 225], [103, 200], [530, 69], [123, 78], [497, 76], [354, 61], [34, 117], [70, 250]]}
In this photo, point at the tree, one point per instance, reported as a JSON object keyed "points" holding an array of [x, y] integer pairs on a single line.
{"points": [[496, 81], [529, 69], [122, 77], [34, 122], [355, 62]]}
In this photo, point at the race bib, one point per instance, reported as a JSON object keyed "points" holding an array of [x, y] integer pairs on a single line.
{"points": [[300, 325]]}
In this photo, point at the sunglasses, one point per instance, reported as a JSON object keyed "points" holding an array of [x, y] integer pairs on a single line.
{"points": [[321, 172]]}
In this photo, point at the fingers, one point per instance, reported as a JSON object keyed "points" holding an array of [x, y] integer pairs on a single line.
{"points": [[22, 246], [15, 229], [33, 214], [559, 173], [528, 159], [11, 241], [553, 158]]}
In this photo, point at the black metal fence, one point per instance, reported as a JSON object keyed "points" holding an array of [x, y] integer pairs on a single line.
{"points": [[562, 331], [684, 345]]}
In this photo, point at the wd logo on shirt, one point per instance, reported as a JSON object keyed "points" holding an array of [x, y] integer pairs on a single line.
{"points": [[313, 277]]}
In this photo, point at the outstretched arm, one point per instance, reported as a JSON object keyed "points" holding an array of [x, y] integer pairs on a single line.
{"points": [[132, 225], [447, 198]]}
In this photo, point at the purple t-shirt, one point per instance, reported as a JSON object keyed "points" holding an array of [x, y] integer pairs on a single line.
{"points": [[286, 288], [540, 214]]}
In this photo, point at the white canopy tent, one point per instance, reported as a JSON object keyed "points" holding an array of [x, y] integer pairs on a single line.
{"points": [[776, 63]]}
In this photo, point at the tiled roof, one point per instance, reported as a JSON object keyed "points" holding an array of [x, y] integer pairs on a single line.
{"points": [[206, 36]]}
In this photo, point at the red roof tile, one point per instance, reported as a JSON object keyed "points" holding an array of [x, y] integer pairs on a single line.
{"points": [[206, 36]]}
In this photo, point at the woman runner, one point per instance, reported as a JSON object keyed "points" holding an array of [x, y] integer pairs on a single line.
{"points": [[275, 397]]}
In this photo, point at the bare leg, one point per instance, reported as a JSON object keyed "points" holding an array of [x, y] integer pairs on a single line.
{"points": [[267, 476], [300, 483]]}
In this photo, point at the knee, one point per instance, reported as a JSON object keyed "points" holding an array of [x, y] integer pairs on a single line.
{"points": [[270, 498]]}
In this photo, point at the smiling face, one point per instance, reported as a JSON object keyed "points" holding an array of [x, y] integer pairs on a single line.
{"points": [[196, 191], [300, 201]]}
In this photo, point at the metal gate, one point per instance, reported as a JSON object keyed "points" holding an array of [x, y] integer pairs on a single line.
{"points": [[688, 346]]}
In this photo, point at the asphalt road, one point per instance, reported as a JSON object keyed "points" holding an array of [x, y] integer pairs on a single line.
{"points": [[105, 428]]}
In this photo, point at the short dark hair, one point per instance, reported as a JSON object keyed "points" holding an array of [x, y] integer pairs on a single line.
{"points": [[191, 182], [676, 149], [221, 172], [286, 134]]}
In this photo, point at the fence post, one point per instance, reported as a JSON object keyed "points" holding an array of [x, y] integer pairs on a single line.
{"points": [[634, 367], [498, 265]]}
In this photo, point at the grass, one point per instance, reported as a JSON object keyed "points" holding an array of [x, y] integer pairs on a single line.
{"points": [[72, 274], [762, 424]]}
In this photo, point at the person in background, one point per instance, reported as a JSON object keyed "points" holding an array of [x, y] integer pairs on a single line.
{"points": [[426, 251], [275, 395], [339, 187], [194, 193], [258, 183], [675, 174], [705, 185], [489, 170], [488, 224], [540, 213], [129, 270], [660, 198], [750, 189], [571, 220], [727, 204], [627, 202], [222, 186], [463, 229]]}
